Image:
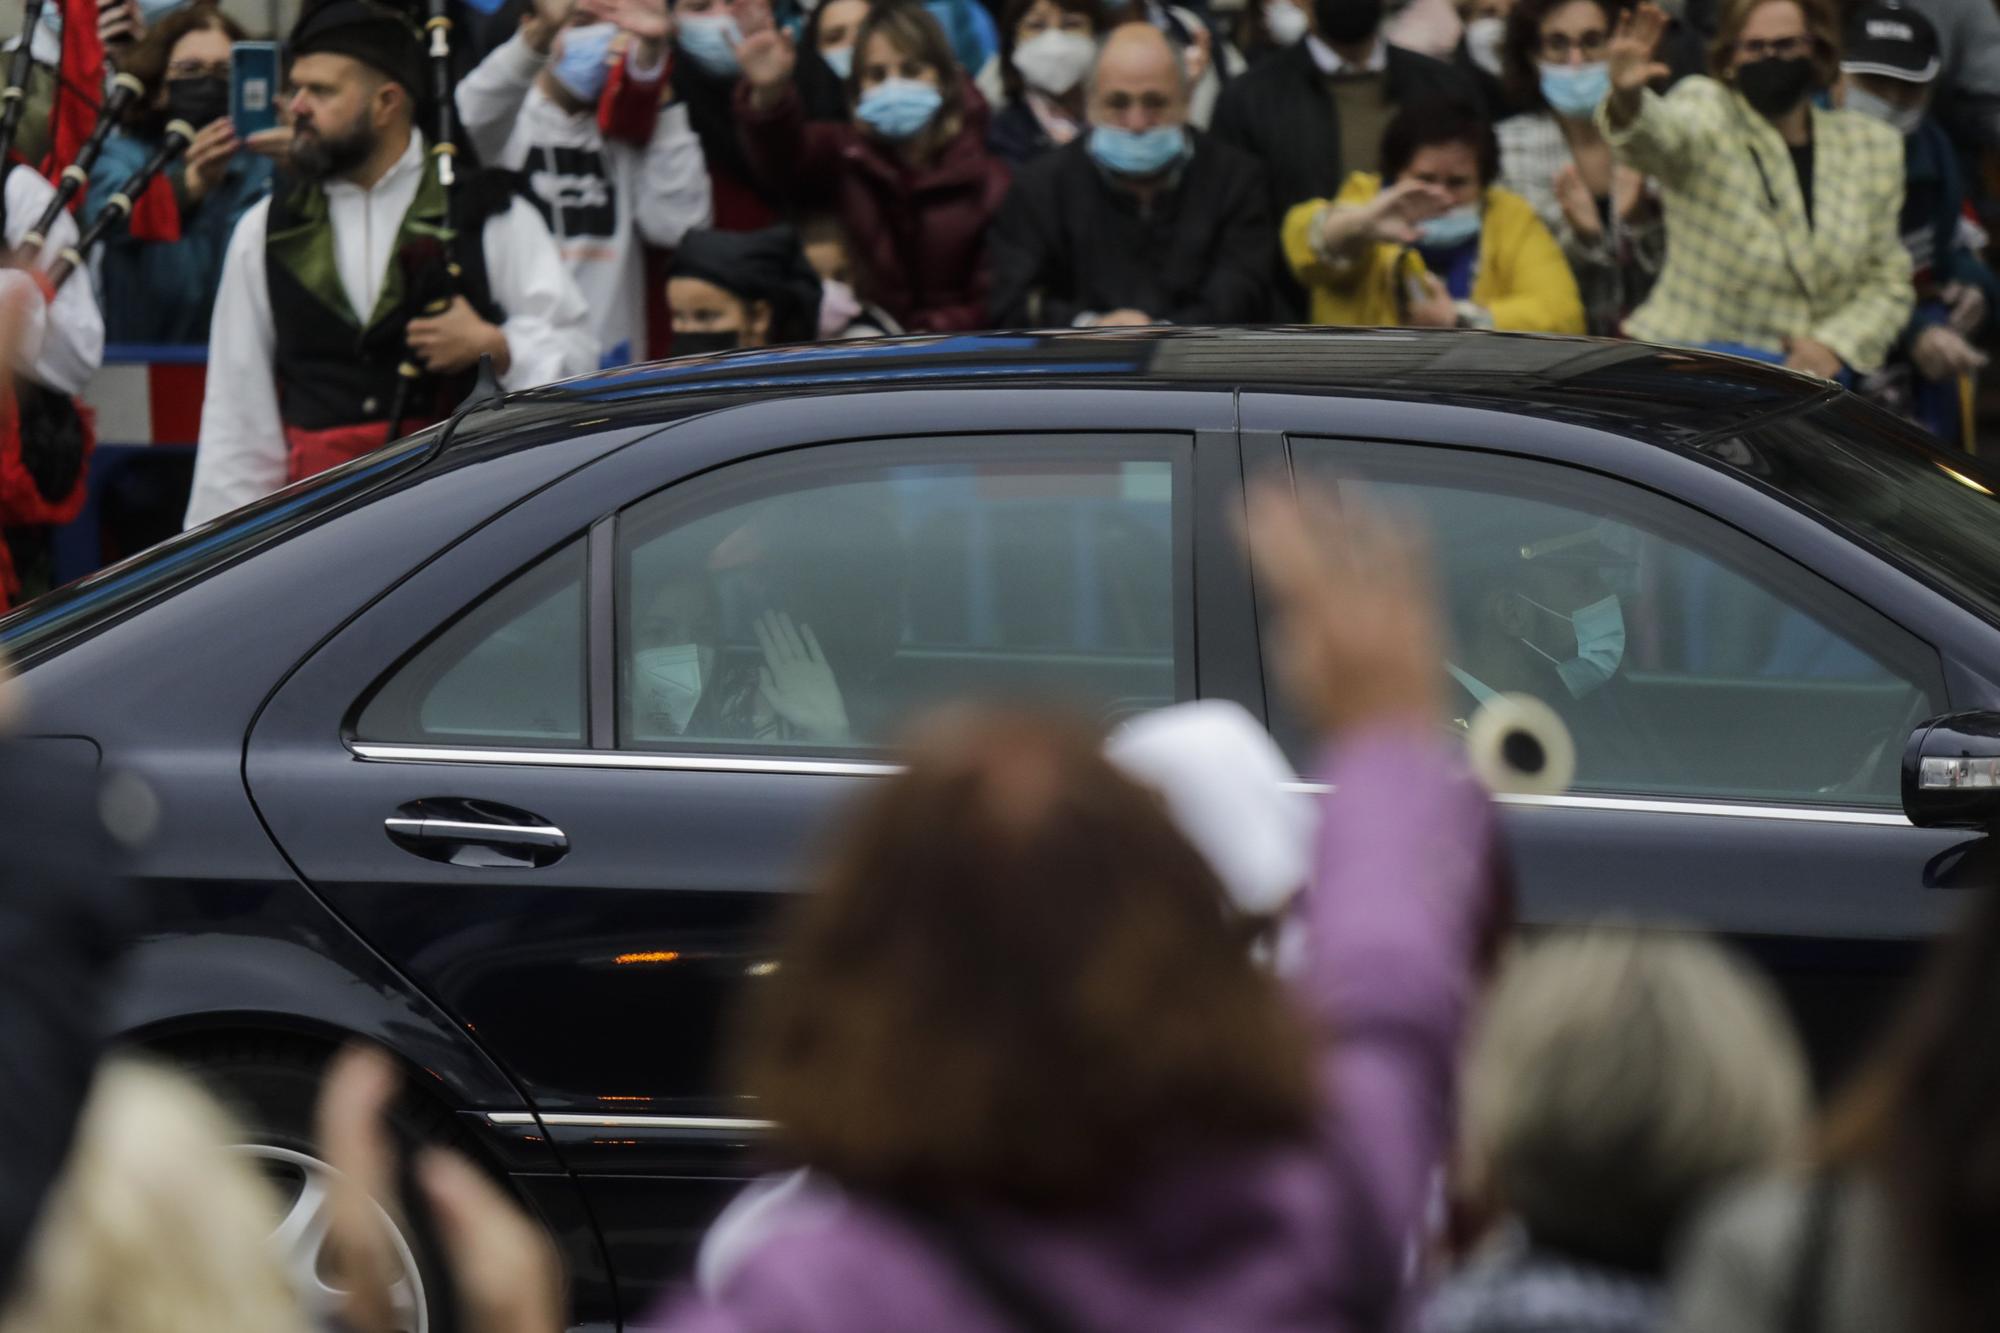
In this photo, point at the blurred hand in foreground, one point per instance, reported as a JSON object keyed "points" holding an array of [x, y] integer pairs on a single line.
{"points": [[508, 1280], [1357, 635]]}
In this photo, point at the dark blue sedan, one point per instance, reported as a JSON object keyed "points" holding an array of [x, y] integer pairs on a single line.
{"points": [[500, 745]]}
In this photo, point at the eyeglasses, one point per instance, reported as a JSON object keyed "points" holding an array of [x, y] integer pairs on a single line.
{"points": [[1558, 45], [195, 69], [1782, 48]]}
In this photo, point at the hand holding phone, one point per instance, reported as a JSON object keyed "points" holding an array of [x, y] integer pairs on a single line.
{"points": [[253, 87], [118, 22]]}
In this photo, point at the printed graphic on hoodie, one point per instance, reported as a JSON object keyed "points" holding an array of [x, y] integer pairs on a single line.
{"points": [[576, 195]]}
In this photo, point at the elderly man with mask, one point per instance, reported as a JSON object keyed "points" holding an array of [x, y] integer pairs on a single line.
{"points": [[1141, 221], [328, 285]]}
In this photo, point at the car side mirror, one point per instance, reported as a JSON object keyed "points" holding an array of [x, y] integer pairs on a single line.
{"points": [[1951, 771]]}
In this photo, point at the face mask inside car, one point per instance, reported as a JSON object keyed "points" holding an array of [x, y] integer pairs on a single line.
{"points": [[670, 685], [1599, 629]]}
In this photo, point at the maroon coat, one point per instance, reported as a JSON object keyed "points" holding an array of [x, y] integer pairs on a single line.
{"points": [[918, 237]]}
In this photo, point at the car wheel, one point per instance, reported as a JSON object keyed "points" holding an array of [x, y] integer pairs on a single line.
{"points": [[271, 1090]]}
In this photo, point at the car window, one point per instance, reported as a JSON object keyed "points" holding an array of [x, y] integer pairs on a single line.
{"points": [[1686, 659], [820, 600], [508, 672]]}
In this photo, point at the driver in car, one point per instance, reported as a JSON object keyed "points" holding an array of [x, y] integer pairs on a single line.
{"points": [[1544, 615]]}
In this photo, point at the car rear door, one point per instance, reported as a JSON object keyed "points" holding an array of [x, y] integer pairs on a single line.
{"points": [[543, 778], [1738, 770]]}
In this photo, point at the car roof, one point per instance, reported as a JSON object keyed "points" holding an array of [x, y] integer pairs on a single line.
{"points": [[1658, 394]]}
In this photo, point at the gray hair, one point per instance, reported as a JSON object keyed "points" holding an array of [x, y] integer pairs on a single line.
{"points": [[1617, 1077], [1178, 48]]}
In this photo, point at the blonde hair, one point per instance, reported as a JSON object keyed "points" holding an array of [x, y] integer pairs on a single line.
{"points": [[1616, 1078], [157, 1224]]}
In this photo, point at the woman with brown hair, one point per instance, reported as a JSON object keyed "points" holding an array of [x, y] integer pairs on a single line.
{"points": [[1781, 217], [1039, 1083], [163, 291], [1047, 49], [910, 176], [1897, 1229]]}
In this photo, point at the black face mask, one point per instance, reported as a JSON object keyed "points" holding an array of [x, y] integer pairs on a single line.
{"points": [[1347, 22], [694, 344], [1775, 85], [198, 101]]}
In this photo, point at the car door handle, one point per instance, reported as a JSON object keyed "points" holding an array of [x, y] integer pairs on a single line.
{"points": [[476, 834]]}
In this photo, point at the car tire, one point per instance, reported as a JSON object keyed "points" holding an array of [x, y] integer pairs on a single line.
{"points": [[271, 1088]]}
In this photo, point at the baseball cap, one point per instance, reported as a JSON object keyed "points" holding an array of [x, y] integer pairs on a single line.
{"points": [[1893, 42]]}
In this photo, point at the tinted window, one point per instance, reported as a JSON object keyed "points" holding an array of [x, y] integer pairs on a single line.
{"points": [[1888, 484], [1686, 659], [820, 600], [508, 672]]}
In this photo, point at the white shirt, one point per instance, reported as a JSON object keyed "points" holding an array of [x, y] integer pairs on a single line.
{"points": [[593, 193], [241, 452], [62, 344], [1329, 60]]}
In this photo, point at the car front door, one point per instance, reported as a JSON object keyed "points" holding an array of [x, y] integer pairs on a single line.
{"points": [[564, 773], [1739, 716]]}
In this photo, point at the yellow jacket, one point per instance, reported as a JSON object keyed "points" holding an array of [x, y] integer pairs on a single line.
{"points": [[1523, 281], [1743, 263]]}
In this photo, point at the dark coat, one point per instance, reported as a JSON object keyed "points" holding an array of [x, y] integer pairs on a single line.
{"points": [[1933, 207], [743, 201], [1282, 114], [1070, 241], [65, 914], [919, 236], [1017, 137]]}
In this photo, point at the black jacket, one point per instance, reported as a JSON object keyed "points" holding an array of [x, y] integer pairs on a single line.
{"points": [[1282, 114], [1015, 136], [1067, 241]]}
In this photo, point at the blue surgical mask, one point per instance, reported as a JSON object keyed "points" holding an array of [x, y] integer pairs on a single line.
{"points": [[1574, 91], [1137, 152], [711, 41], [1449, 229], [1600, 645], [155, 10], [897, 109], [1903, 119], [584, 64], [840, 60]]}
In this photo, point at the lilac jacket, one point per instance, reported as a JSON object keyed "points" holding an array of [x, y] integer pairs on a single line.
{"points": [[1322, 1235]]}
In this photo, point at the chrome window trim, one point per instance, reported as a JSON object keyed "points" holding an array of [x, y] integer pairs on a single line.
{"points": [[591, 1121], [628, 759], [705, 763], [1654, 806]]}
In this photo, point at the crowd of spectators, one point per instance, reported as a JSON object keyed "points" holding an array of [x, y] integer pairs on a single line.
{"points": [[1771, 178]]}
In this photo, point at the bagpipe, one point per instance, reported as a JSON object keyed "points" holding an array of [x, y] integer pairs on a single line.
{"points": [[446, 282], [75, 175], [46, 435]]}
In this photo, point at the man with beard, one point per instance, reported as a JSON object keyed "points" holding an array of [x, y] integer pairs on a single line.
{"points": [[325, 285], [1314, 113]]}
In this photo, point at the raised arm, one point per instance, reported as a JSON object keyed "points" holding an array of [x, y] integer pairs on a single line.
{"points": [[1658, 137], [1405, 898]]}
